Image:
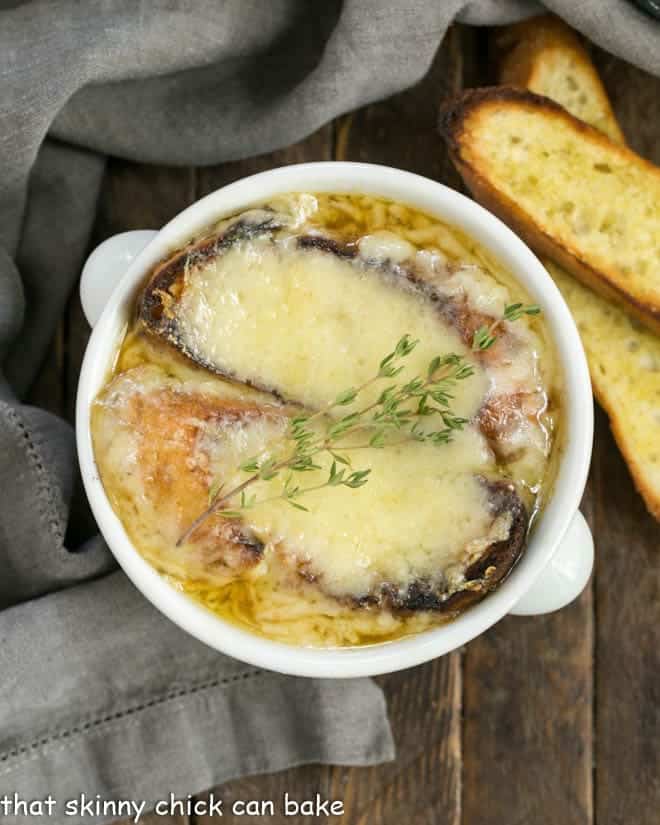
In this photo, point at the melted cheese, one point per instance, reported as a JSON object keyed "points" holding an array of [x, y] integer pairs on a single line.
{"points": [[156, 457], [414, 519], [418, 517], [310, 324]]}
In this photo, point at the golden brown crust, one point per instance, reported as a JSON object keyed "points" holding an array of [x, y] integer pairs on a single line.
{"points": [[527, 50], [527, 53], [167, 279], [462, 112], [168, 424]]}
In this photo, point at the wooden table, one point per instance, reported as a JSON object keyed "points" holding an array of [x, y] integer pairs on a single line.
{"points": [[550, 720]]}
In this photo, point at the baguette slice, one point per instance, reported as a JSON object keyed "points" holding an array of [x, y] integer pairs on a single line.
{"points": [[545, 56], [570, 192], [624, 362]]}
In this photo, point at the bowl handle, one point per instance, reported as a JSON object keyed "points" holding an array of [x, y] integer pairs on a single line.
{"points": [[105, 266], [566, 574]]}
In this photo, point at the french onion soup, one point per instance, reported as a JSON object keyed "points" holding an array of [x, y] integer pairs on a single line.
{"points": [[332, 420]]}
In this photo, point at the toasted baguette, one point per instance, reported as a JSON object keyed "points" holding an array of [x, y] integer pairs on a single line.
{"points": [[547, 57], [591, 205], [624, 360]]}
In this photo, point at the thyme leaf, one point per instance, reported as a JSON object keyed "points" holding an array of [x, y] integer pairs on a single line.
{"points": [[485, 337]]}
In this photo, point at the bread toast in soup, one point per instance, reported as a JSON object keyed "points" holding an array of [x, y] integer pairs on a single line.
{"points": [[269, 317], [345, 278], [574, 195], [545, 56], [176, 438]]}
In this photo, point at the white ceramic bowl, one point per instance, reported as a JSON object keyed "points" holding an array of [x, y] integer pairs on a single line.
{"points": [[559, 557]]}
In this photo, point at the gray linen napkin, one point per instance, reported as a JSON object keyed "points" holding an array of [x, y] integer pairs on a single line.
{"points": [[99, 693]]}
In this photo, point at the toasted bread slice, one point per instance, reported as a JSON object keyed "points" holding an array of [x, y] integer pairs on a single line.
{"points": [[177, 437], [624, 360], [547, 57], [570, 192], [224, 300]]}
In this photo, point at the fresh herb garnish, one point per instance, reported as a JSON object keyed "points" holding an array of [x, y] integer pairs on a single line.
{"points": [[485, 336]]}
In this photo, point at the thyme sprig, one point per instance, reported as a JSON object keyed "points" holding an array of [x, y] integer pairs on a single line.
{"points": [[485, 336], [394, 417]]}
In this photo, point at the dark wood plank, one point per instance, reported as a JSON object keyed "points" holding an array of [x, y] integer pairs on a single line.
{"points": [[314, 148], [627, 769], [627, 766], [528, 705], [424, 703], [47, 391], [424, 784], [137, 196]]}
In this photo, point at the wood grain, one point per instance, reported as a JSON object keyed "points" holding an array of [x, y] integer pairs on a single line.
{"points": [[627, 768], [528, 707]]}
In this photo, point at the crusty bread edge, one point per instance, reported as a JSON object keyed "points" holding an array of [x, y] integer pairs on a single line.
{"points": [[526, 44], [522, 46], [650, 496], [453, 119]]}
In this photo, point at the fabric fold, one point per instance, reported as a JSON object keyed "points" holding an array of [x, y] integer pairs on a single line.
{"points": [[95, 725]]}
